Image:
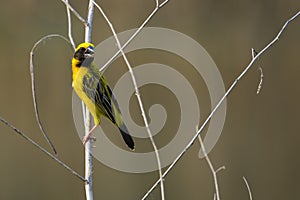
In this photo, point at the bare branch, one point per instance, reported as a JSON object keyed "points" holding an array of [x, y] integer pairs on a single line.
{"points": [[157, 3], [74, 12], [33, 85], [69, 24], [42, 149], [222, 99], [248, 187], [163, 3], [138, 98], [88, 146], [88, 27], [213, 171]]}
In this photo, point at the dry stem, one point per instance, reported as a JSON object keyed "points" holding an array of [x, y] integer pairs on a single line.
{"points": [[86, 116], [213, 171]]}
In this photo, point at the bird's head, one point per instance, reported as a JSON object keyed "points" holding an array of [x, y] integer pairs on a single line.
{"points": [[84, 54]]}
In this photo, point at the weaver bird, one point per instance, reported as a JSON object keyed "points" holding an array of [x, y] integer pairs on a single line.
{"points": [[92, 88]]}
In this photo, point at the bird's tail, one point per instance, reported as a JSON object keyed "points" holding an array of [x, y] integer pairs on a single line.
{"points": [[120, 123], [126, 137]]}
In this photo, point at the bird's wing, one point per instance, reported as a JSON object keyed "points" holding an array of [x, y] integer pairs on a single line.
{"points": [[105, 100], [96, 88]]}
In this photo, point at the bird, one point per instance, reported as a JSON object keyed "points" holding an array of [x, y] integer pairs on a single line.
{"points": [[93, 89]]}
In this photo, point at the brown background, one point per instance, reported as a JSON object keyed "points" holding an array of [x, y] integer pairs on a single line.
{"points": [[260, 139]]}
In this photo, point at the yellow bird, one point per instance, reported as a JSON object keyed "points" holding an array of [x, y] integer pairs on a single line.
{"points": [[93, 90]]}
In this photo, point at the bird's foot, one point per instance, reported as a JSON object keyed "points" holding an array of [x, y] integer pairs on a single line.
{"points": [[86, 138]]}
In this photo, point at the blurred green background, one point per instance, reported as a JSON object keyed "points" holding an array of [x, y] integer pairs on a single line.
{"points": [[260, 138]]}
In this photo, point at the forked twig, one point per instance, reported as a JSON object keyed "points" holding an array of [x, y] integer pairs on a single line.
{"points": [[74, 11], [33, 85], [213, 171], [222, 99], [69, 23], [42, 149]]}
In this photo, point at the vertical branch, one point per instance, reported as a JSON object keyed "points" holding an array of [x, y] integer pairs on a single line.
{"points": [[88, 26], [86, 114], [88, 157]]}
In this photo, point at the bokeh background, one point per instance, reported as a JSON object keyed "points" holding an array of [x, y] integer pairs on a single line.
{"points": [[260, 139]]}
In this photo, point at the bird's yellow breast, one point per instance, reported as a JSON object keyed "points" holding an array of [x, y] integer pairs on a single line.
{"points": [[78, 75]]}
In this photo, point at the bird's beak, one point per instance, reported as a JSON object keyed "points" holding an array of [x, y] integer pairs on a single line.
{"points": [[89, 52]]}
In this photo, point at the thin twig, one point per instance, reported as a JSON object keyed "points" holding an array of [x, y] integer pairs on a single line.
{"points": [[88, 145], [220, 168], [133, 35], [221, 100], [74, 12], [253, 52], [69, 24], [260, 80], [138, 98], [248, 187], [42, 149], [163, 3], [33, 85], [213, 171]]}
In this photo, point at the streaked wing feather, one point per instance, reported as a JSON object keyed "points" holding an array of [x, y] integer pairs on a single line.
{"points": [[96, 90], [105, 100]]}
